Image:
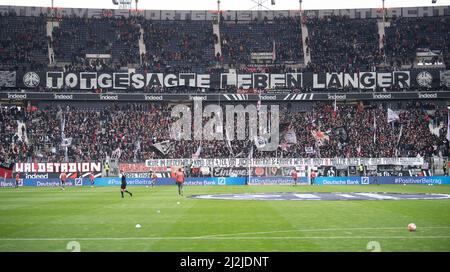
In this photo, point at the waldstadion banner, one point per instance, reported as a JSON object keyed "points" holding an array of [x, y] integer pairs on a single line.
{"points": [[48, 170], [140, 81]]}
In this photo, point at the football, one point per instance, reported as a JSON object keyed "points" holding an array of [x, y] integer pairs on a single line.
{"points": [[138, 226], [412, 227]]}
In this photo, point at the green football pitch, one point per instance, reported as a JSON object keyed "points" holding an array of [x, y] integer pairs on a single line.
{"points": [[98, 219]]}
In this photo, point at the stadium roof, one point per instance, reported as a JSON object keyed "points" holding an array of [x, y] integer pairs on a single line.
{"points": [[228, 4]]}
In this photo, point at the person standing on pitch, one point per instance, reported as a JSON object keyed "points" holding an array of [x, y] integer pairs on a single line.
{"points": [[294, 176], [123, 186], [17, 179], [179, 179], [154, 178], [91, 179], [313, 176], [107, 169], [63, 179]]}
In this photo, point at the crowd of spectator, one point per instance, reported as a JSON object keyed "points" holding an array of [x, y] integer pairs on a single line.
{"points": [[281, 36], [178, 43], [23, 42], [133, 130], [75, 37], [338, 43], [405, 35]]}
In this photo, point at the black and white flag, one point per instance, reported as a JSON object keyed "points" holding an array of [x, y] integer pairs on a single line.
{"points": [[164, 147]]}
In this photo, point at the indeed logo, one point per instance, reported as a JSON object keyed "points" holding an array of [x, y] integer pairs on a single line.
{"points": [[382, 96], [63, 96], [36, 176], [428, 95], [198, 97], [17, 96], [109, 97], [153, 97], [268, 97], [337, 96]]}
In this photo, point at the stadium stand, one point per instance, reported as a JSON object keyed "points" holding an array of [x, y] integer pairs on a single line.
{"points": [[405, 36], [99, 129], [179, 44], [338, 43], [75, 37], [23, 43], [240, 40]]}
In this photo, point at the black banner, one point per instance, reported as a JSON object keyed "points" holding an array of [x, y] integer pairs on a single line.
{"points": [[68, 96], [262, 81]]}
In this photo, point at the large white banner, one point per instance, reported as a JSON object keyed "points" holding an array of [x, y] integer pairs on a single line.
{"points": [[282, 162]]}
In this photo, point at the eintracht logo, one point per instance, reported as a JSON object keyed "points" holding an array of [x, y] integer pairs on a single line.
{"points": [[424, 79], [31, 79]]}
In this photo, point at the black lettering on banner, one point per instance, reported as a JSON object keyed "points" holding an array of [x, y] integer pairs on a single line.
{"points": [[334, 80], [154, 80], [170, 80], [319, 81], [187, 79], [402, 79], [277, 80], [260, 81], [203, 81], [384, 80], [54, 80], [88, 81], [367, 80], [137, 81], [121, 80], [228, 80], [244, 81], [351, 80], [105, 81], [71, 80], [294, 80]]}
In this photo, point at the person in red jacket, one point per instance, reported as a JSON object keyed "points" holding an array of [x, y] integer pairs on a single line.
{"points": [[17, 179], [91, 179], [294, 176], [63, 178], [313, 177], [179, 179]]}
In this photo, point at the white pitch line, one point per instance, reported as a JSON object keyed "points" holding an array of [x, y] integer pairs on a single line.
{"points": [[316, 230], [224, 238]]}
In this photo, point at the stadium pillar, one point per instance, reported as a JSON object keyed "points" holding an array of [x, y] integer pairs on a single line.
{"points": [[218, 11]]}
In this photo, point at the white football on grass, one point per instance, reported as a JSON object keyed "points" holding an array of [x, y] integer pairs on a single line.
{"points": [[412, 227]]}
